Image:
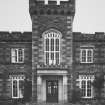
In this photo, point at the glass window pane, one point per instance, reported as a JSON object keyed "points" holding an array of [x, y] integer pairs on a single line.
{"points": [[57, 44], [15, 89], [86, 86], [52, 56], [13, 54], [20, 51], [84, 53], [83, 56], [83, 88], [47, 44], [57, 57], [89, 53], [21, 88], [20, 55], [89, 56], [89, 88], [16, 55], [20, 59], [47, 57], [52, 44], [89, 59], [49, 88], [83, 59]]}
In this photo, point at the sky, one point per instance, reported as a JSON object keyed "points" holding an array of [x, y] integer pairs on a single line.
{"points": [[89, 17]]}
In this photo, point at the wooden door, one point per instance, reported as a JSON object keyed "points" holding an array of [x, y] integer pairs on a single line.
{"points": [[52, 90]]}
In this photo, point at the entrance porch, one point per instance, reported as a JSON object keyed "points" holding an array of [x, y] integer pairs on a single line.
{"points": [[52, 87]]}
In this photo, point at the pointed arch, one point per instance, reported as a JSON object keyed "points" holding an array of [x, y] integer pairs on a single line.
{"points": [[52, 42]]}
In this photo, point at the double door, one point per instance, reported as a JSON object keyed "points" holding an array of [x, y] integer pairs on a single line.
{"points": [[52, 90]]}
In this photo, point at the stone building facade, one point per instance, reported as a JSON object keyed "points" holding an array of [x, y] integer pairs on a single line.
{"points": [[15, 62], [52, 57], [52, 49]]}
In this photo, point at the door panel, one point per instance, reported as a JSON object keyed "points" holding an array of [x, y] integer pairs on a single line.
{"points": [[52, 90]]}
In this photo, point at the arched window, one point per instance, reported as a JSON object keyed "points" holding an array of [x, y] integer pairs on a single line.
{"points": [[52, 47]]}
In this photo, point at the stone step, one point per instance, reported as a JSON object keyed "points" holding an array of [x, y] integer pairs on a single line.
{"points": [[54, 104], [46, 104], [51, 104]]}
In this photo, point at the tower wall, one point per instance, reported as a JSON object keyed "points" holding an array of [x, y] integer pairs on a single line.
{"points": [[51, 16]]}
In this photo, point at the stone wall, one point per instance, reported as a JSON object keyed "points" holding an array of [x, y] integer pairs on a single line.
{"points": [[7, 68], [44, 18]]}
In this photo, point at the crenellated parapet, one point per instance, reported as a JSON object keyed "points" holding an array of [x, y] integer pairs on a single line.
{"points": [[15, 36], [97, 36], [64, 7], [6, 36]]}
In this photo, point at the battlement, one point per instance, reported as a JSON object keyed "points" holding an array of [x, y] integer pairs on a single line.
{"points": [[97, 36], [15, 36], [56, 2], [52, 7], [27, 36]]}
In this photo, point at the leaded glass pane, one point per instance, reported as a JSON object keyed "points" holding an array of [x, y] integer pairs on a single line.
{"points": [[89, 56], [15, 89], [83, 88], [88, 88], [52, 48], [21, 88], [57, 58], [47, 57], [52, 44], [83, 55], [47, 44], [20, 55], [52, 56], [57, 44]]}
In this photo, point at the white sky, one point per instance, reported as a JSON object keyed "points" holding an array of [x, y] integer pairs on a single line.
{"points": [[89, 17]]}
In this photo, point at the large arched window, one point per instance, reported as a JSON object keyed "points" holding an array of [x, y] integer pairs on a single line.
{"points": [[52, 47]]}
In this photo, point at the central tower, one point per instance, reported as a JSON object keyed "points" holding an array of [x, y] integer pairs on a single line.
{"points": [[51, 49]]}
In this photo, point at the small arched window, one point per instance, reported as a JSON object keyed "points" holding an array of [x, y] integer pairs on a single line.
{"points": [[52, 47]]}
